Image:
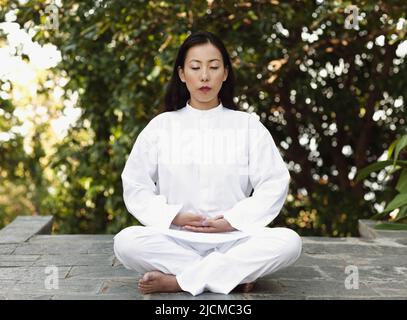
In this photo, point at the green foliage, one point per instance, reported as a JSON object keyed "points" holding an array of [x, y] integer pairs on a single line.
{"points": [[400, 200], [296, 66], [23, 187], [390, 226]]}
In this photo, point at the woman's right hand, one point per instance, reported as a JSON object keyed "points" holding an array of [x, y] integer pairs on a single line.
{"points": [[188, 218]]}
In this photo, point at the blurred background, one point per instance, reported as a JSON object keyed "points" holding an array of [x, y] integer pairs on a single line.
{"points": [[80, 79]]}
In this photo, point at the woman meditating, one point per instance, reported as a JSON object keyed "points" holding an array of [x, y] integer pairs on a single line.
{"points": [[205, 180]]}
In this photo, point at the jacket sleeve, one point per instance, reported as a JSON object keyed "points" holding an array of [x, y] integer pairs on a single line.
{"points": [[139, 177], [268, 175]]}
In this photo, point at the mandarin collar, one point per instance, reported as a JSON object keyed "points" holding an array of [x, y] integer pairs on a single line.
{"points": [[209, 112]]}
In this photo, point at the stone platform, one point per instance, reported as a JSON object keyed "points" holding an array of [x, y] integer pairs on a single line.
{"points": [[87, 269]]}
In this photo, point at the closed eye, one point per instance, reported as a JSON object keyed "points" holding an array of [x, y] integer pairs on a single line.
{"points": [[214, 68]]}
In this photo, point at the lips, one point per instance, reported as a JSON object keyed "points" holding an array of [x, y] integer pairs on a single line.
{"points": [[204, 89]]}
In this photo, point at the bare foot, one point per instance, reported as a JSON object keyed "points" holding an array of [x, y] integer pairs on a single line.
{"points": [[156, 281], [245, 287]]}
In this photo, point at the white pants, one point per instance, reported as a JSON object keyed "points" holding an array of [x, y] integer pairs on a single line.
{"points": [[201, 266]]}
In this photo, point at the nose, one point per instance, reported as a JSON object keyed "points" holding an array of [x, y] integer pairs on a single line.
{"points": [[204, 75]]}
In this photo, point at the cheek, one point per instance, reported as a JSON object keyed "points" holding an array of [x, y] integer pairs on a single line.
{"points": [[189, 80], [219, 79], [190, 76]]}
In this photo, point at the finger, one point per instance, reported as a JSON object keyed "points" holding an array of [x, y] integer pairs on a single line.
{"points": [[191, 228], [213, 222], [200, 229], [210, 221], [198, 218], [206, 229], [218, 225], [197, 223]]}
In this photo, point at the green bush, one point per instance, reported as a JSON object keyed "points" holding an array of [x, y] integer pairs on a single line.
{"points": [[297, 67], [399, 202]]}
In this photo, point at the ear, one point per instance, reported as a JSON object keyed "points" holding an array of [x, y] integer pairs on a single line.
{"points": [[181, 74], [226, 73]]}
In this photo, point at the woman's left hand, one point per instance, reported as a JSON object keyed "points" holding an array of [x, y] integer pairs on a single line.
{"points": [[216, 224]]}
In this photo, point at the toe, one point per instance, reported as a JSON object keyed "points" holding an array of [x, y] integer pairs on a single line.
{"points": [[248, 287], [146, 277]]}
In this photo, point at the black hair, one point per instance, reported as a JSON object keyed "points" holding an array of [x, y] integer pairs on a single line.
{"points": [[177, 93]]}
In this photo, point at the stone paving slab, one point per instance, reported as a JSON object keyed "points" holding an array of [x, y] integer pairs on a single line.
{"points": [[67, 259], [368, 273], [69, 247], [321, 260], [318, 273], [73, 237], [7, 248], [367, 230], [69, 286], [22, 296], [88, 269], [312, 288], [380, 260], [101, 272], [28, 274], [14, 260], [5, 285], [390, 289], [24, 227]]}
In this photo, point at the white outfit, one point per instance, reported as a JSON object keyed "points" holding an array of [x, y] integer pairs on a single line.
{"points": [[206, 162]]}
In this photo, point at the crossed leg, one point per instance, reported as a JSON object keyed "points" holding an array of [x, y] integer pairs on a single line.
{"points": [[171, 267], [155, 255]]}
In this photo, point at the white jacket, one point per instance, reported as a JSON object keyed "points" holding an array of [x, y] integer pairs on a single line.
{"points": [[206, 162]]}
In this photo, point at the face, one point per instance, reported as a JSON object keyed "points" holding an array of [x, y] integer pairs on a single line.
{"points": [[203, 67]]}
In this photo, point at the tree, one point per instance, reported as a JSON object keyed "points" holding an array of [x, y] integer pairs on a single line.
{"points": [[333, 98]]}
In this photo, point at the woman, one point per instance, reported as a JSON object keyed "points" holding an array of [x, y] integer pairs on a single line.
{"points": [[189, 179]]}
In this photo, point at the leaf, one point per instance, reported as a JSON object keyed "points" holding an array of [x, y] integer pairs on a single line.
{"points": [[379, 215], [402, 214], [402, 182], [391, 226], [363, 173], [401, 144], [397, 202]]}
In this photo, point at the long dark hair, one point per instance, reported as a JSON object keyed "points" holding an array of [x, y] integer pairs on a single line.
{"points": [[177, 93]]}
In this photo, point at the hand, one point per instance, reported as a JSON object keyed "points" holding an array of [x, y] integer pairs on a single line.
{"points": [[210, 225], [188, 218]]}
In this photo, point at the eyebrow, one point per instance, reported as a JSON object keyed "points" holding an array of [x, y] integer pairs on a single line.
{"points": [[201, 61]]}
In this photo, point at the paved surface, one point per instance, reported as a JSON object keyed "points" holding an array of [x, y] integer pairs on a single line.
{"points": [[87, 269]]}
